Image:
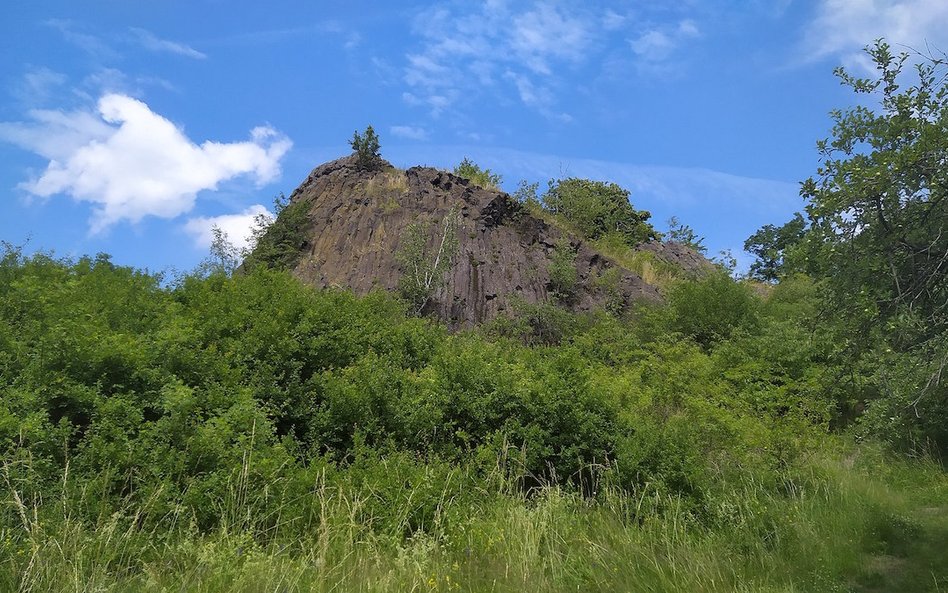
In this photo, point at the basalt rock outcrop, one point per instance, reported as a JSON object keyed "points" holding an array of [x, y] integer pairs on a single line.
{"points": [[356, 219]]}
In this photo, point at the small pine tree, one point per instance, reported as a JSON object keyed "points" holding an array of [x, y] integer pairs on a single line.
{"points": [[367, 148]]}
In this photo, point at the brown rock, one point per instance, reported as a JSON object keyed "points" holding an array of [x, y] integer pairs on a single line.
{"points": [[356, 219]]}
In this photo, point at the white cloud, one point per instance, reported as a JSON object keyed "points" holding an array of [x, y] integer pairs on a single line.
{"points": [[546, 34], [409, 132], [37, 85], [91, 44], [842, 28], [467, 50], [130, 162], [656, 45], [151, 42], [236, 227], [523, 51], [612, 20]]}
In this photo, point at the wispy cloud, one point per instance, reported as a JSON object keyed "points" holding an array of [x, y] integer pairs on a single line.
{"points": [[523, 52], [841, 28], [655, 46], [151, 42], [409, 132], [73, 33], [38, 85], [467, 48], [130, 162]]}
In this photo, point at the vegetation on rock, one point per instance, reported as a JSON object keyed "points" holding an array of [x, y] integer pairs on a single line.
{"points": [[425, 258], [366, 147], [596, 209], [471, 171]]}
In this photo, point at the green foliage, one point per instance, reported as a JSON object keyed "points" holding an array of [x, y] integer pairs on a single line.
{"points": [[684, 234], [710, 309], [245, 432], [366, 147], [527, 194], [877, 213], [564, 278], [877, 207], [595, 208], [468, 169], [224, 257], [278, 243], [425, 260], [770, 245]]}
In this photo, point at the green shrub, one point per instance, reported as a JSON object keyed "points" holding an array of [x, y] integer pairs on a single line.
{"points": [[468, 169], [710, 309], [595, 208]]}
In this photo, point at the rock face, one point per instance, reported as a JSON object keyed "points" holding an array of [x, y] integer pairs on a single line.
{"points": [[356, 219]]}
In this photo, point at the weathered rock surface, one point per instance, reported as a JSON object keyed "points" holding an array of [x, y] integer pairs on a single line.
{"points": [[356, 219]]}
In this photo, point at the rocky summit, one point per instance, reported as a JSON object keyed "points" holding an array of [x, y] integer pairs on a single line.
{"points": [[356, 222]]}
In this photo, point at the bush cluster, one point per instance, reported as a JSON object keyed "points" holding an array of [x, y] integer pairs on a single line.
{"points": [[170, 387]]}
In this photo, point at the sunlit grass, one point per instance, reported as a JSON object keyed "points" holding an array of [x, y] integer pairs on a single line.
{"points": [[837, 525]]}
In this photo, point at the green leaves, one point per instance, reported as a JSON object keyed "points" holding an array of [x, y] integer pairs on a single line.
{"points": [[596, 208], [771, 246], [366, 147], [426, 253], [877, 214], [471, 171]]}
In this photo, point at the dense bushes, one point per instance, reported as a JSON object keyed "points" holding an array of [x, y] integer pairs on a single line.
{"points": [[254, 406], [110, 369]]}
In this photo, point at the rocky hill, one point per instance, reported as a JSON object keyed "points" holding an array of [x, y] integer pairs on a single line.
{"points": [[354, 222]]}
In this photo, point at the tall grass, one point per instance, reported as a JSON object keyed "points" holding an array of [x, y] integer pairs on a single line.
{"points": [[846, 524]]}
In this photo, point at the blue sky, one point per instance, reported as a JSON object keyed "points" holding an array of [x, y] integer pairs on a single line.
{"points": [[132, 128]]}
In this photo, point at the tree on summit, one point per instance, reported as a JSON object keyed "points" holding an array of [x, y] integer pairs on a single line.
{"points": [[367, 147]]}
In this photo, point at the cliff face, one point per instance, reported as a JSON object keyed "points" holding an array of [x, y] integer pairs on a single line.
{"points": [[356, 219]]}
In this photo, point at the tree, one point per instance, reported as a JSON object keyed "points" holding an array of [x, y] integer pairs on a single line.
{"points": [[278, 242], [224, 257], [684, 234], [471, 171], [596, 208], [878, 237], [367, 148], [423, 268], [770, 245]]}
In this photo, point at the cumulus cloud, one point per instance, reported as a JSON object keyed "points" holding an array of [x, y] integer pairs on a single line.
{"points": [[130, 162], [409, 132], [238, 228], [151, 42], [842, 28]]}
